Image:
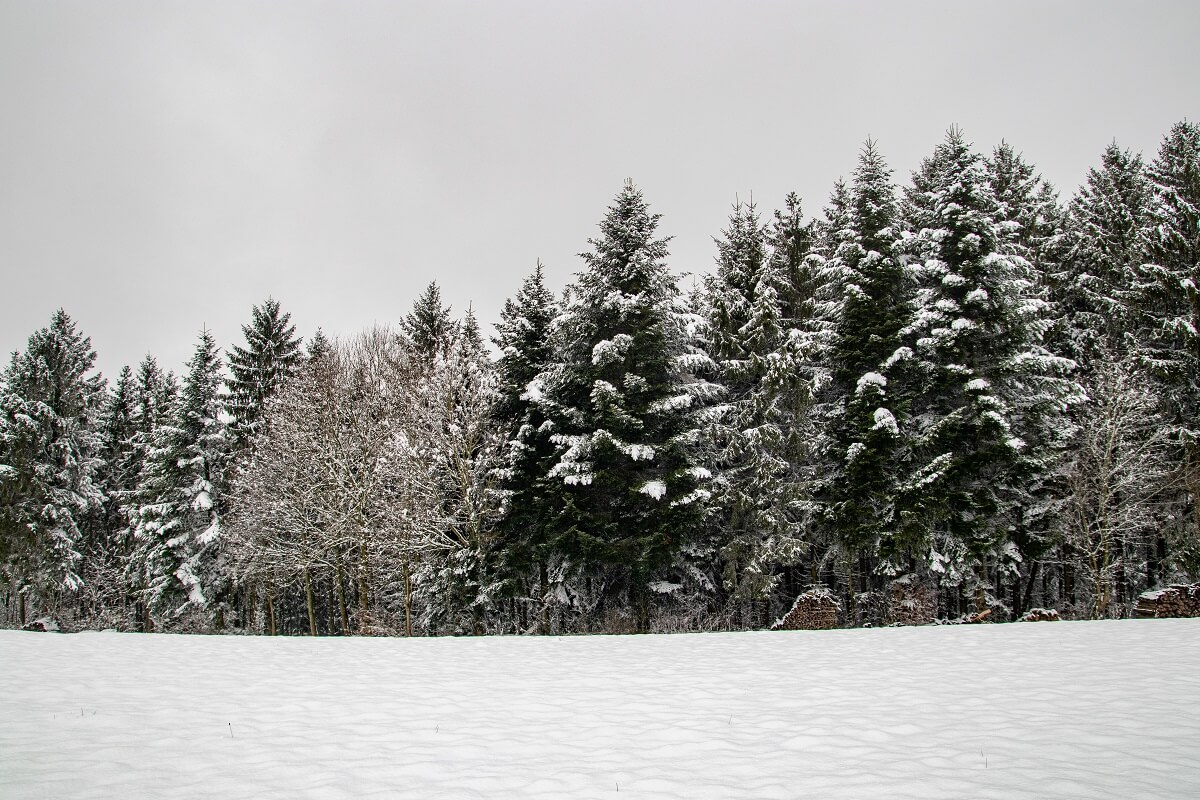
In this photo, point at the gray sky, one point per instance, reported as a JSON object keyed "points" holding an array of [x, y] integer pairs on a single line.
{"points": [[165, 166]]}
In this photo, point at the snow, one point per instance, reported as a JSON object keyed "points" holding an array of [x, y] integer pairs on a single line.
{"points": [[1025, 710], [655, 489], [870, 379], [885, 421]]}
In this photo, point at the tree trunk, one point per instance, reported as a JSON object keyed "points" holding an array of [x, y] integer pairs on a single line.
{"points": [[271, 610], [407, 600], [363, 624], [308, 603], [341, 598], [543, 606]]}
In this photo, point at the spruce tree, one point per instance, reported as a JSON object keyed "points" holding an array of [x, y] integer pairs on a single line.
{"points": [[257, 371], [178, 524], [1167, 328], [985, 376], [749, 304], [866, 398], [1104, 241], [518, 559], [49, 457], [428, 329], [620, 398], [318, 347]]}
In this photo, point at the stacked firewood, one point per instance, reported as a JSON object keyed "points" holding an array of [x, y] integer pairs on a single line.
{"points": [[1040, 615], [815, 610], [1178, 600], [911, 603]]}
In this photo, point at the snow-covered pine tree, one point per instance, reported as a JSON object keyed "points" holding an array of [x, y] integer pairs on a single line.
{"points": [[428, 329], [258, 370], [982, 374], [109, 542], [867, 397], [454, 439], [1168, 309], [1032, 233], [155, 394], [747, 335], [49, 449], [178, 522], [318, 347], [1103, 243], [517, 561], [621, 397]]}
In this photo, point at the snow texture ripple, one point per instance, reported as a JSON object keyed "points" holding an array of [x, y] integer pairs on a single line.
{"points": [[1033, 710]]}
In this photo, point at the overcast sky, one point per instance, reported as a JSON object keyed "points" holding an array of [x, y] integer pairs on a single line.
{"points": [[165, 166]]}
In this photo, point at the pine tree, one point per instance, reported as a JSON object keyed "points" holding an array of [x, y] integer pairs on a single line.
{"points": [[518, 561], [107, 551], [178, 524], [977, 355], [867, 398], [428, 328], [49, 449], [620, 397], [750, 303], [1167, 328], [453, 398], [1104, 242], [259, 369], [318, 347]]}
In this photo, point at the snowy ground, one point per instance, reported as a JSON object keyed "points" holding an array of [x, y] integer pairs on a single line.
{"points": [[1032, 710]]}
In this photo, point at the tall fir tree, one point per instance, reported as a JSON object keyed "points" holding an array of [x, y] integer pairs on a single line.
{"points": [[986, 378], [1103, 245], [867, 398], [428, 329], [257, 371], [49, 456], [518, 562], [1167, 328], [621, 396], [758, 289], [178, 523]]}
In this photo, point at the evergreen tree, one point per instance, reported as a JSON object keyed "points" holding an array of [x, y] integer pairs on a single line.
{"points": [[270, 357], [1104, 241], [428, 329], [519, 559], [866, 398], [749, 304], [1168, 309], [49, 449], [620, 399], [107, 551], [318, 347], [987, 379], [178, 524]]}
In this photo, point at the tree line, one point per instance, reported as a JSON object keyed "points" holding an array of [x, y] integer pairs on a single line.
{"points": [[956, 396]]}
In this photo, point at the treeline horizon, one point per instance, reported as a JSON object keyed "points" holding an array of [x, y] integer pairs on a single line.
{"points": [[957, 398]]}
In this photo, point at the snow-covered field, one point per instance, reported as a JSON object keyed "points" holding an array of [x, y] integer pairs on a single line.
{"points": [[1041, 710]]}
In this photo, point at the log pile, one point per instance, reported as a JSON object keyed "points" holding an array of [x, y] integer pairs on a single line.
{"points": [[911, 603], [1178, 600], [815, 610], [1040, 615]]}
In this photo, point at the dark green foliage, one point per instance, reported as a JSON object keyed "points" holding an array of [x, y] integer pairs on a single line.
{"points": [[620, 398], [866, 395], [257, 370], [518, 555], [428, 328], [182, 494], [49, 456]]}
